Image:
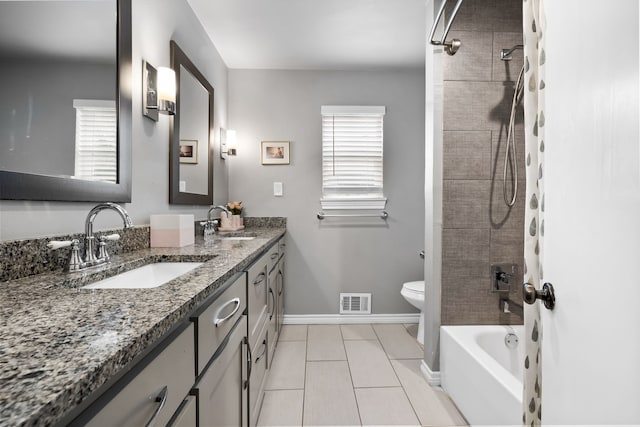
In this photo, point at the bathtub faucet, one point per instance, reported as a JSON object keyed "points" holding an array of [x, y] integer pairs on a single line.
{"points": [[501, 275]]}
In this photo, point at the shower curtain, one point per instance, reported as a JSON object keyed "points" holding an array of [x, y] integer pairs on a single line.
{"points": [[533, 32]]}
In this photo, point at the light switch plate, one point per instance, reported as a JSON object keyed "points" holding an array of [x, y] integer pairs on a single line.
{"points": [[278, 190]]}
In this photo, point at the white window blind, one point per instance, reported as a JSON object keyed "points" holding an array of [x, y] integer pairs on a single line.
{"points": [[96, 140], [352, 152]]}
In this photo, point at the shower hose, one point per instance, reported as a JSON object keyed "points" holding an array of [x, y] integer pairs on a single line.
{"points": [[510, 151]]}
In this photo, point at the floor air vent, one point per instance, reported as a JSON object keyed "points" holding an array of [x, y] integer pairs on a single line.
{"points": [[355, 303]]}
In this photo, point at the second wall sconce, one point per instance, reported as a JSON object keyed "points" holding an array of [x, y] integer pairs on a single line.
{"points": [[158, 91], [227, 143]]}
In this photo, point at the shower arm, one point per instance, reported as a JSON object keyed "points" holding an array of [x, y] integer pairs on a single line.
{"points": [[451, 47], [505, 54]]}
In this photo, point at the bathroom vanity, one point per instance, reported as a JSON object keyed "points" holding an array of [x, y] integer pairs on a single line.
{"points": [[196, 348]]}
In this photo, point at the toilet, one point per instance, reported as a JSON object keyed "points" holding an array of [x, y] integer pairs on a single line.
{"points": [[413, 292]]}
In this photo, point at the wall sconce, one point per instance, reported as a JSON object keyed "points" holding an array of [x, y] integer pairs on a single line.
{"points": [[227, 143], [158, 91]]}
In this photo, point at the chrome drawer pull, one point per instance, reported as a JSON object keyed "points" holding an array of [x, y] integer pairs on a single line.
{"points": [[249, 362], [259, 279], [264, 342], [161, 398], [217, 320], [273, 305]]}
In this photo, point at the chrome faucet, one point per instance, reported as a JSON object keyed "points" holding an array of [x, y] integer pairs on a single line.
{"points": [[213, 208], [210, 224], [92, 256]]}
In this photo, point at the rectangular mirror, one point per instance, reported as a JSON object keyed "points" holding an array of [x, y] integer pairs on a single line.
{"points": [[65, 119], [191, 145]]}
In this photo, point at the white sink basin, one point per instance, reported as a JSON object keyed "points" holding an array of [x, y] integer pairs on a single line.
{"points": [[147, 276]]}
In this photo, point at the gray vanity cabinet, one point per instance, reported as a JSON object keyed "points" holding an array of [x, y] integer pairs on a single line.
{"points": [[272, 314], [257, 298], [152, 391], [186, 415], [222, 389], [280, 295]]}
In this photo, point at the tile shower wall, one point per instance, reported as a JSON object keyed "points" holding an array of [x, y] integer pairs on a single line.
{"points": [[478, 228]]}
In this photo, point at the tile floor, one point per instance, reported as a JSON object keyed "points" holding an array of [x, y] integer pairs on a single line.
{"points": [[352, 375]]}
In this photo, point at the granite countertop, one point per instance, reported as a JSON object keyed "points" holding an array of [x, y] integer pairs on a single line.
{"points": [[60, 343]]}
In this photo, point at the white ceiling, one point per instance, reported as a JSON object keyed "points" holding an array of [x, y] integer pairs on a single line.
{"points": [[316, 34]]}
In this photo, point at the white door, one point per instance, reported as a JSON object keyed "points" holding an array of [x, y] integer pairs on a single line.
{"points": [[591, 340]]}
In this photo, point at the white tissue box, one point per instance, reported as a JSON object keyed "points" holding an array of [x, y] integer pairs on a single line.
{"points": [[172, 231]]}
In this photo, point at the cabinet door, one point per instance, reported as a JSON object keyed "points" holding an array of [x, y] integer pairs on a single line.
{"points": [[155, 392], [257, 297], [223, 388], [280, 295], [272, 318], [258, 377]]}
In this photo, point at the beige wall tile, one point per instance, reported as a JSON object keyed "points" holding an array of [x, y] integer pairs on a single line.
{"points": [[467, 154], [474, 61]]}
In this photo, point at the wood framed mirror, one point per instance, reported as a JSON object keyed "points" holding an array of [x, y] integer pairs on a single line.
{"points": [[57, 60], [191, 135]]}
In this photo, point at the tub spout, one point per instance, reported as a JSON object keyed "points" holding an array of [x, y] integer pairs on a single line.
{"points": [[509, 306]]}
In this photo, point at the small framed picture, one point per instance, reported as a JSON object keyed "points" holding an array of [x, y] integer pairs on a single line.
{"points": [[275, 152], [189, 151]]}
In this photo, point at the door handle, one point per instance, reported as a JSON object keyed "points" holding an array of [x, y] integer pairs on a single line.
{"points": [[530, 294]]}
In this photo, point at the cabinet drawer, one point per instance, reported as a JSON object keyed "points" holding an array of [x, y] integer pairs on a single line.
{"points": [[222, 390], [213, 324], [273, 255], [281, 245], [257, 297], [258, 377], [168, 376], [186, 415]]}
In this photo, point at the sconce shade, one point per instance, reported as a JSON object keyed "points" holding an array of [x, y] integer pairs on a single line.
{"points": [[166, 90], [158, 91], [231, 142]]}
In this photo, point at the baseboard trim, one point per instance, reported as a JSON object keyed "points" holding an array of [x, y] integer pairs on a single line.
{"points": [[432, 377], [324, 319]]}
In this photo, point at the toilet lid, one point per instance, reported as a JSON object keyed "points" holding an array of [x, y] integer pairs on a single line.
{"points": [[417, 286]]}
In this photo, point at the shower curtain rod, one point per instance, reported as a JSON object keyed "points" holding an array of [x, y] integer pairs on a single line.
{"points": [[451, 47]]}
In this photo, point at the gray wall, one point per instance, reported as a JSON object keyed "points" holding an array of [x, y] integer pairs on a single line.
{"points": [[478, 228], [37, 118], [155, 23], [333, 256]]}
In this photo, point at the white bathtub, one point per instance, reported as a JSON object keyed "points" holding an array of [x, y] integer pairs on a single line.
{"points": [[481, 374]]}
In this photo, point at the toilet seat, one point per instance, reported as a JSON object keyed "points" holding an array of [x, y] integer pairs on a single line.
{"points": [[417, 286]]}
